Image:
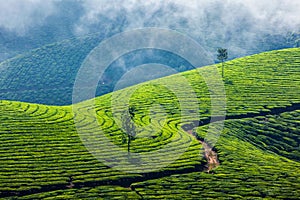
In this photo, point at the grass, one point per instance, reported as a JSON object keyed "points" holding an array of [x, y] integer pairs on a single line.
{"points": [[99, 192], [246, 171], [41, 146]]}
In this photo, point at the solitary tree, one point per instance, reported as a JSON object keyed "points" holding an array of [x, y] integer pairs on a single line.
{"points": [[222, 56], [129, 127]]}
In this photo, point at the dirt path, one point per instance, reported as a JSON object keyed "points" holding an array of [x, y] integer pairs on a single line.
{"points": [[210, 155]]}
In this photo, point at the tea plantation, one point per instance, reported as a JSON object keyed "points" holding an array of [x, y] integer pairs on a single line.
{"points": [[61, 152]]}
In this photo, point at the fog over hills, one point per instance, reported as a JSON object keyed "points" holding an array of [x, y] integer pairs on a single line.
{"points": [[244, 27]]}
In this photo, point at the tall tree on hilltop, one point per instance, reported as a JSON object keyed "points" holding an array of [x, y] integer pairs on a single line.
{"points": [[222, 56]]}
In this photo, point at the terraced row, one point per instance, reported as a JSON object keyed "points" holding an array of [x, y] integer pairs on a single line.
{"points": [[248, 171], [98, 192], [40, 153], [32, 145], [279, 134]]}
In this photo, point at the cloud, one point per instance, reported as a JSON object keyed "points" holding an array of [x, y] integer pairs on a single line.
{"points": [[239, 25], [236, 24], [194, 12], [19, 16]]}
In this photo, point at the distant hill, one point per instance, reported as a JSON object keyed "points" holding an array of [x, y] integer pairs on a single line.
{"points": [[42, 152], [43, 73], [46, 75]]}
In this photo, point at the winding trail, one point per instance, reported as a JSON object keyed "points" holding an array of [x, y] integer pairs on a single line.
{"points": [[210, 155]]}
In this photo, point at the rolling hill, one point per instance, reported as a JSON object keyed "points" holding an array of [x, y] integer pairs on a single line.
{"points": [[43, 147], [49, 71], [46, 75]]}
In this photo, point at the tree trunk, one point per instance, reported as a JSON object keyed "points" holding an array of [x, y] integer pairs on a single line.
{"points": [[128, 143], [222, 69]]}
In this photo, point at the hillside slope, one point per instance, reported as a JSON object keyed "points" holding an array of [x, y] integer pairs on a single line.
{"points": [[258, 149], [46, 75]]}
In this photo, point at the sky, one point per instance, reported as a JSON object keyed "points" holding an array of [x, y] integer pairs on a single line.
{"points": [[235, 24], [269, 15]]}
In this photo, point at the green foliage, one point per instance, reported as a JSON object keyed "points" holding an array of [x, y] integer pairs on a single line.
{"points": [[129, 126], [259, 157], [279, 133], [99, 192], [42, 73], [222, 54], [246, 171]]}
